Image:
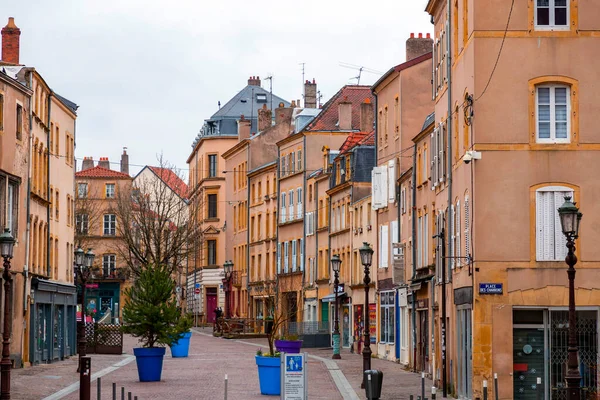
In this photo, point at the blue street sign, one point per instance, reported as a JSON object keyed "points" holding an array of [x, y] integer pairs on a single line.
{"points": [[197, 286], [490, 288]]}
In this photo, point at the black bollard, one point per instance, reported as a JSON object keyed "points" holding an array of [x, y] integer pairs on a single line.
{"points": [[122, 393], [485, 390], [114, 391], [433, 393], [423, 385], [98, 389], [85, 375], [496, 386]]}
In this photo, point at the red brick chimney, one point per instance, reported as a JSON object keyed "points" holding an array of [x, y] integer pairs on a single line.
{"points": [[243, 128], [416, 47], [345, 115], [264, 118], [10, 42], [367, 116], [254, 81], [310, 94]]}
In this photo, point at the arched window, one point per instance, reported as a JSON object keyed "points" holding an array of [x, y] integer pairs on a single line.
{"points": [[550, 242]]}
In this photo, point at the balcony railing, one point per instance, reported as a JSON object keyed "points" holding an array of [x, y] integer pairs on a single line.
{"points": [[118, 274]]}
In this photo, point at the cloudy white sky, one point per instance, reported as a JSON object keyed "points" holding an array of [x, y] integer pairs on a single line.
{"points": [[146, 73]]}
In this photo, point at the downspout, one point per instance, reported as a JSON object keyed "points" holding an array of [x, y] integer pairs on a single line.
{"points": [[48, 270], [303, 264], [247, 240], [414, 257], [26, 282], [317, 218], [449, 187]]}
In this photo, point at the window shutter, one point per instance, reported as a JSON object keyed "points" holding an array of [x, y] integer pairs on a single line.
{"points": [[433, 168], [384, 185], [283, 206], [286, 257], [299, 205], [392, 180], [291, 210], [560, 241], [384, 247], [294, 255], [467, 233], [375, 184], [301, 251], [441, 152], [278, 258], [452, 238], [458, 234]]}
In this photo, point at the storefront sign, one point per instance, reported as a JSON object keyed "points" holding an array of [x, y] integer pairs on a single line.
{"points": [[490, 288], [91, 286], [293, 376], [373, 323]]}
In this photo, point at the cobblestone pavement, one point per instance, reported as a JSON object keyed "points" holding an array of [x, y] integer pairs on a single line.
{"points": [[201, 375]]}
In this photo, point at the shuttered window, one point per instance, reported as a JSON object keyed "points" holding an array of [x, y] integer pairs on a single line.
{"points": [[291, 211], [301, 251], [467, 231], [550, 241], [283, 209], [278, 258], [286, 257], [391, 181], [457, 234], [383, 246], [294, 255]]}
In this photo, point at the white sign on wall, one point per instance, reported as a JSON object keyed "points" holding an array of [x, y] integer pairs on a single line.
{"points": [[293, 376]]}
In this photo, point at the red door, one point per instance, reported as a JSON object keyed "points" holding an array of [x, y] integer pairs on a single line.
{"points": [[211, 304]]}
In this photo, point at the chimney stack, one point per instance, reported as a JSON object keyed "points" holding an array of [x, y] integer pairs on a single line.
{"points": [[104, 163], [367, 116], [283, 113], [264, 118], [310, 94], [254, 81], [345, 115], [88, 162], [125, 161], [10, 42], [243, 128], [416, 47]]}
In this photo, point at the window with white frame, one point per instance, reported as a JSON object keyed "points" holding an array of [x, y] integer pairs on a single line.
{"points": [[301, 253], [82, 190], [110, 190], [384, 243], [286, 257], [294, 255], [299, 160], [552, 14], [82, 224], [291, 213], [110, 224], [550, 241], [553, 110], [309, 221], [108, 264], [278, 258], [299, 203], [403, 200], [386, 333]]}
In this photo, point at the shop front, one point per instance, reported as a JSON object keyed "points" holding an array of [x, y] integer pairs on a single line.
{"points": [[52, 322], [103, 298]]}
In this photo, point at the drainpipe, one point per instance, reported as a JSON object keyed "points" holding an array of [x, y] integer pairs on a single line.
{"points": [[317, 218], [28, 225], [414, 257], [48, 270], [303, 264], [449, 188], [247, 241]]}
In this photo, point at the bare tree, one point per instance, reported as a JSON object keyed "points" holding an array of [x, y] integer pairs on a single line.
{"points": [[88, 217], [156, 225]]}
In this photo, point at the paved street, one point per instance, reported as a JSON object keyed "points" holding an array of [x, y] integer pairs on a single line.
{"points": [[201, 375]]}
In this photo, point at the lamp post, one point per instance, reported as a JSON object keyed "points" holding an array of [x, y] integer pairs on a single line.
{"points": [[228, 269], [7, 243], [336, 263], [83, 268], [366, 257], [570, 218]]}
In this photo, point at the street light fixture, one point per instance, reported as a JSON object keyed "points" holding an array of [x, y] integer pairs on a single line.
{"points": [[336, 263], [83, 268], [570, 218], [228, 269], [366, 257], [7, 243]]}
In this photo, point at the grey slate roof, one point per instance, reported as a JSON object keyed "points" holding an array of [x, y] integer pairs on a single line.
{"points": [[430, 119], [236, 106], [70, 105]]}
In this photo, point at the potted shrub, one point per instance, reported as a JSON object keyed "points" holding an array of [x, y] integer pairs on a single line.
{"points": [[150, 314], [269, 372], [181, 347]]}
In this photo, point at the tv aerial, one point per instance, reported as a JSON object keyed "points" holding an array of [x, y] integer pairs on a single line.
{"points": [[360, 70]]}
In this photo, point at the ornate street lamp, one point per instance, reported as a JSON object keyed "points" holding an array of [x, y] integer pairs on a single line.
{"points": [[7, 243], [228, 269], [336, 263], [366, 257], [83, 268], [570, 218]]}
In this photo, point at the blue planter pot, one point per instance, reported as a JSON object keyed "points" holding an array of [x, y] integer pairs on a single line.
{"points": [[288, 346], [149, 362], [269, 375], [182, 346]]}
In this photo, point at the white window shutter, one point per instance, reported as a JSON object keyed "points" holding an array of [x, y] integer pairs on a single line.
{"points": [[384, 185], [467, 230], [452, 240], [384, 244], [391, 180], [560, 241], [376, 188], [299, 205], [301, 251], [433, 159], [278, 258], [458, 234], [283, 207], [286, 257], [294, 255], [394, 237]]}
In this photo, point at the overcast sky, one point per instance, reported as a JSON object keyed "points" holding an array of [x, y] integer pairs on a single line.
{"points": [[147, 73]]}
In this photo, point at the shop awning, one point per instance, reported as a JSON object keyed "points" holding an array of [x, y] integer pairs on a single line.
{"points": [[331, 297]]}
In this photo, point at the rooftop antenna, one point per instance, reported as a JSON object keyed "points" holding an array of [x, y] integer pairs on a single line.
{"points": [[219, 103], [360, 70], [319, 97], [270, 78], [303, 87]]}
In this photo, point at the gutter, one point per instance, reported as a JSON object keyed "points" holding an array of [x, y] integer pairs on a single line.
{"points": [[48, 244]]}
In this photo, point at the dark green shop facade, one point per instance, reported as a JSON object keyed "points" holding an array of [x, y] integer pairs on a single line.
{"points": [[52, 322], [102, 297]]}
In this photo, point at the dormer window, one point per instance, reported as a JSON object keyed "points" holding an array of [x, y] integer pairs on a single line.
{"points": [[261, 98]]}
